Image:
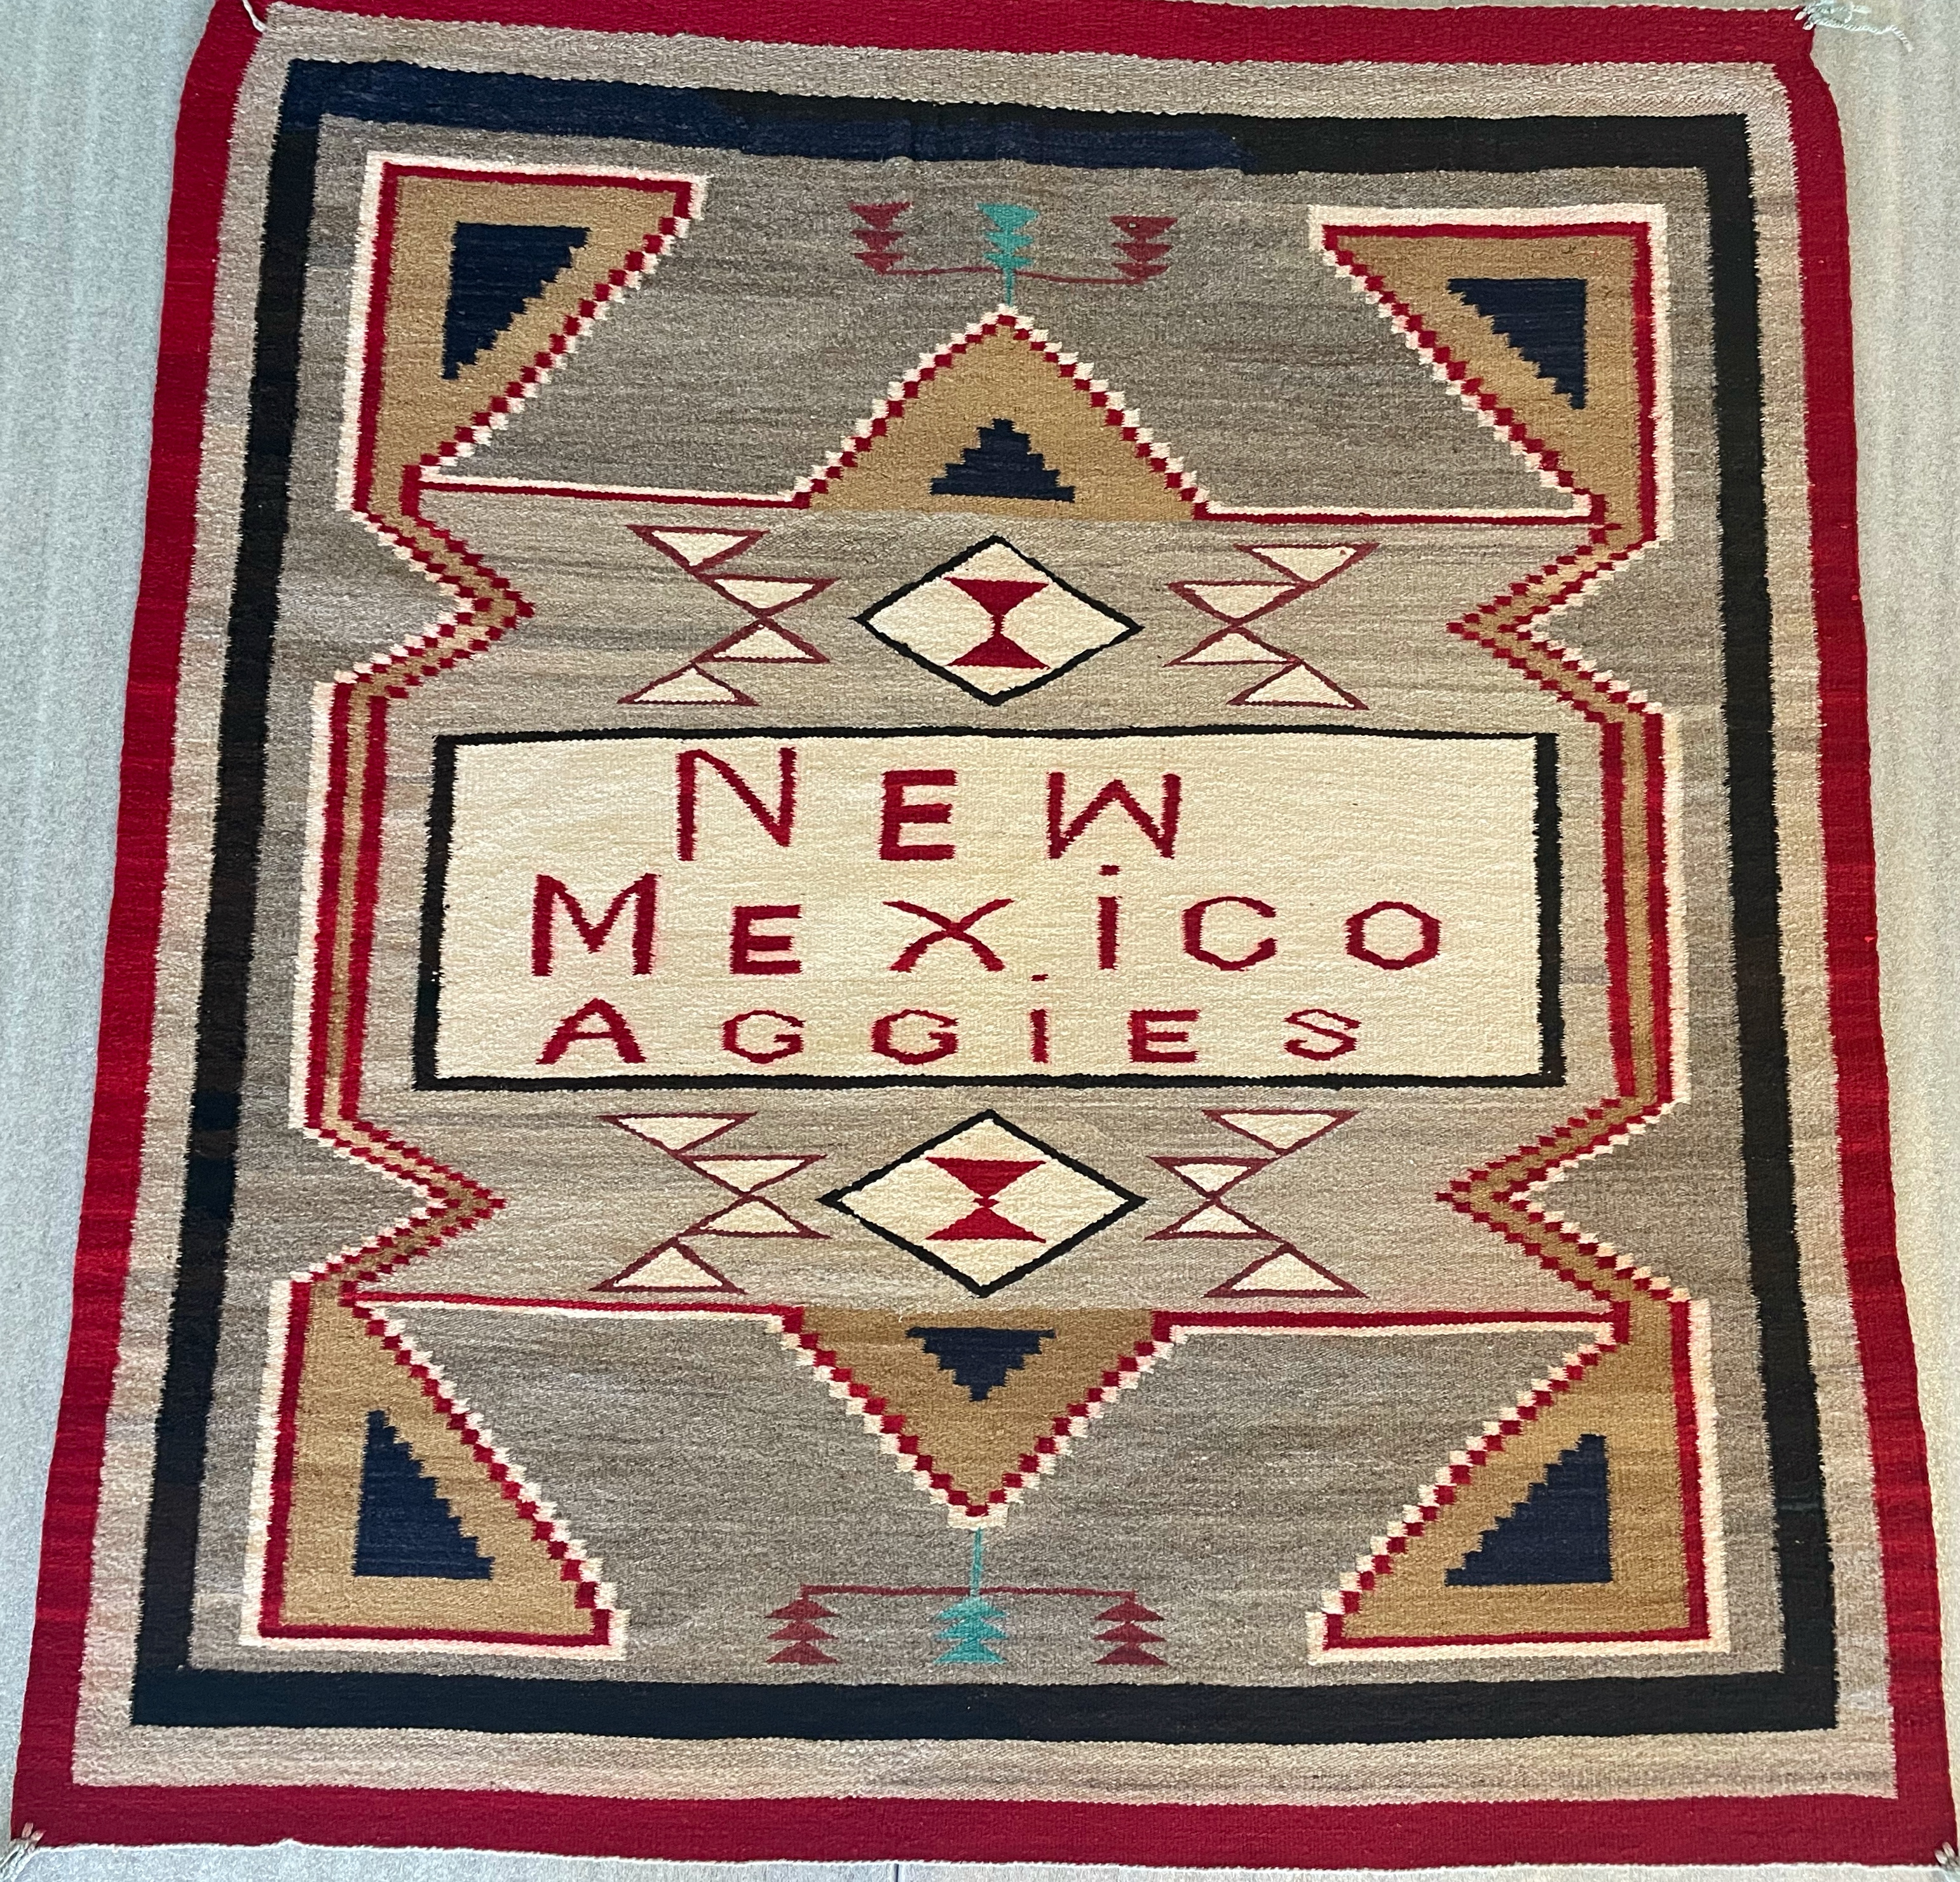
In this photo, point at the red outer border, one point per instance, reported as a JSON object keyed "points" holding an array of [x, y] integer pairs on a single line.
{"points": [[1827, 1828], [1169, 29]]}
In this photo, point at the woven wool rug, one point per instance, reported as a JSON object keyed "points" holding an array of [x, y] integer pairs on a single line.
{"points": [[993, 971]]}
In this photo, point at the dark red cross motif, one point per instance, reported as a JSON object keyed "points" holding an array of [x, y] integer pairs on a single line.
{"points": [[986, 1177], [1000, 596]]}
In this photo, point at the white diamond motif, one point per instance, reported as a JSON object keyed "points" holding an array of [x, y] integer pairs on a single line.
{"points": [[995, 622], [986, 1203]]}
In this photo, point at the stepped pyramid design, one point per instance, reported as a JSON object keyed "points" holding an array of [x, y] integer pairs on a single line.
{"points": [[1562, 1532], [980, 1357], [1542, 317], [404, 1528], [1002, 462], [496, 270]]}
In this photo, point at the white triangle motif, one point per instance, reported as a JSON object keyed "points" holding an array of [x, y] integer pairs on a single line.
{"points": [[1282, 1130], [764, 594], [746, 1175], [1312, 562], [763, 643], [677, 1132], [695, 546], [750, 1217], [689, 687], [1235, 647], [671, 1269], [1215, 1219], [1285, 1272], [1234, 601], [1298, 686], [1209, 1179]]}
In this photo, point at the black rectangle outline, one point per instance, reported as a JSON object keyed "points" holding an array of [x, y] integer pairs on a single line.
{"points": [[168, 1690], [1547, 875]]}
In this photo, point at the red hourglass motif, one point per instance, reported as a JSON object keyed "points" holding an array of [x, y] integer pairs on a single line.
{"points": [[986, 1177], [999, 597]]}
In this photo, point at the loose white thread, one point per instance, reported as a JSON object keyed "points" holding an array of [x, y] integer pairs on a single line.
{"points": [[259, 24], [1845, 16]]}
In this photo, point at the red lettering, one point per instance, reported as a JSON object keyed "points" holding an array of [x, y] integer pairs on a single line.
{"points": [[1426, 949], [941, 1042], [783, 1045], [891, 846], [945, 928], [1153, 1028], [1106, 907], [778, 823], [612, 1026], [746, 942], [1340, 1035], [551, 894], [1193, 933], [1161, 829]]}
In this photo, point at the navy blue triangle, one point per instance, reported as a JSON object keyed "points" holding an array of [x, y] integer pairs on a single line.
{"points": [[980, 1357], [495, 270], [404, 1527], [1543, 318], [1002, 462], [1561, 1532]]}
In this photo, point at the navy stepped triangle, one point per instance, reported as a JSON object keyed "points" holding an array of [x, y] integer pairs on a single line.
{"points": [[404, 1527], [980, 1357], [495, 270], [1561, 1532], [1003, 462], [1543, 318]]}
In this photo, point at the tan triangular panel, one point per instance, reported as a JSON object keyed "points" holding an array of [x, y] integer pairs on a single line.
{"points": [[1003, 374], [1599, 445], [418, 409], [977, 1442], [349, 1373], [1628, 1398]]}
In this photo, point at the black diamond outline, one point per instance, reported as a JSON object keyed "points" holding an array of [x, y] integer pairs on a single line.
{"points": [[1131, 628], [1127, 1200]]}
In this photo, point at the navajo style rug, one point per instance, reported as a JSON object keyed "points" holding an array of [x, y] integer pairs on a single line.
{"points": [[993, 973]]}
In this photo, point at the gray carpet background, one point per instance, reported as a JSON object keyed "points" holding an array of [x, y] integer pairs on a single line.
{"points": [[88, 92]]}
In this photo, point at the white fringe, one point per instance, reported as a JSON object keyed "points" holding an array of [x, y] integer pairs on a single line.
{"points": [[18, 1852]]}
